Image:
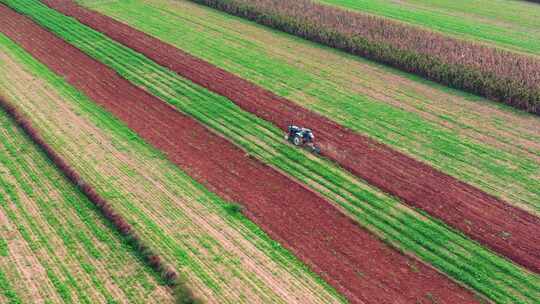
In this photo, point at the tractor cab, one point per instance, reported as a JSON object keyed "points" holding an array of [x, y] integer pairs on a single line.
{"points": [[300, 136]]}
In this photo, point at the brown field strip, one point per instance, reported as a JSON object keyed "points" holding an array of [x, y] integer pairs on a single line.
{"points": [[358, 264], [506, 229]]}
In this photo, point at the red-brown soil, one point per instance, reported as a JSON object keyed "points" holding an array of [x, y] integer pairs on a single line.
{"points": [[508, 230], [355, 262]]}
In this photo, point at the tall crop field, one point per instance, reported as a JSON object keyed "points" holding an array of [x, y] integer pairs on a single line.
{"points": [[507, 24], [497, 74], [408, 230]]}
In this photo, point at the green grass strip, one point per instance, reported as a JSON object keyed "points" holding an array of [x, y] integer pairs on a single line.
{"points": [[4, 251], [435, 243], [7, 289]]}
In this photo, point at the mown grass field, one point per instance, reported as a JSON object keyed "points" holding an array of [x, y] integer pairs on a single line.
{"points": [[55, 247], [406, 229], [509, 24], [490, 146], [225, 257]]}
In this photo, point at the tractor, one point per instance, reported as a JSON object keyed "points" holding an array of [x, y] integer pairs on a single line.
{"points": [[301, 137]]}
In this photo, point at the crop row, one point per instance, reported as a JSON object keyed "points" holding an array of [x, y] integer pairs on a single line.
{"points": [[507, 24], [124, 228], [494, 73], [444, 128], [435, 243], [80, 256], [217, 247], [7, 290]]}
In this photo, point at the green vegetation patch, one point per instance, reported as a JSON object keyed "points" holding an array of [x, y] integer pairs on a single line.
{"points": [[7, 290]]}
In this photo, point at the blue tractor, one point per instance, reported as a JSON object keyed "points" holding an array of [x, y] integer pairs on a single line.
{"points": [[301, 137]]}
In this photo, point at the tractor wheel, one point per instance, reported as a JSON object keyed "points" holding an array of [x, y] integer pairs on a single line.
{"points": [[297, 141]]}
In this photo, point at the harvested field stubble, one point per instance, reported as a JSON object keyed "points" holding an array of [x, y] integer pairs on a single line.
{"points": [[332, 245], [497, 74], [57, 245], [417, 184], [168, 273]]}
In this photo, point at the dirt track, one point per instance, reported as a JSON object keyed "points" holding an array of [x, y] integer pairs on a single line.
{"points": [[356, 263], [508, 230]]}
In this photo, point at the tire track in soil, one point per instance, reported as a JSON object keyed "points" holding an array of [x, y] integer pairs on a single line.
{"points": [[505, 229], [351, 259]]}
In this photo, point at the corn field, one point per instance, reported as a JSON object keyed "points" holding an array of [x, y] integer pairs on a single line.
{"points": [[494, 73]]}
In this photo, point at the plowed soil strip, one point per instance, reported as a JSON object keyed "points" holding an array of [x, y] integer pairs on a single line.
{"points": [[351, 259], [508, 230]]}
